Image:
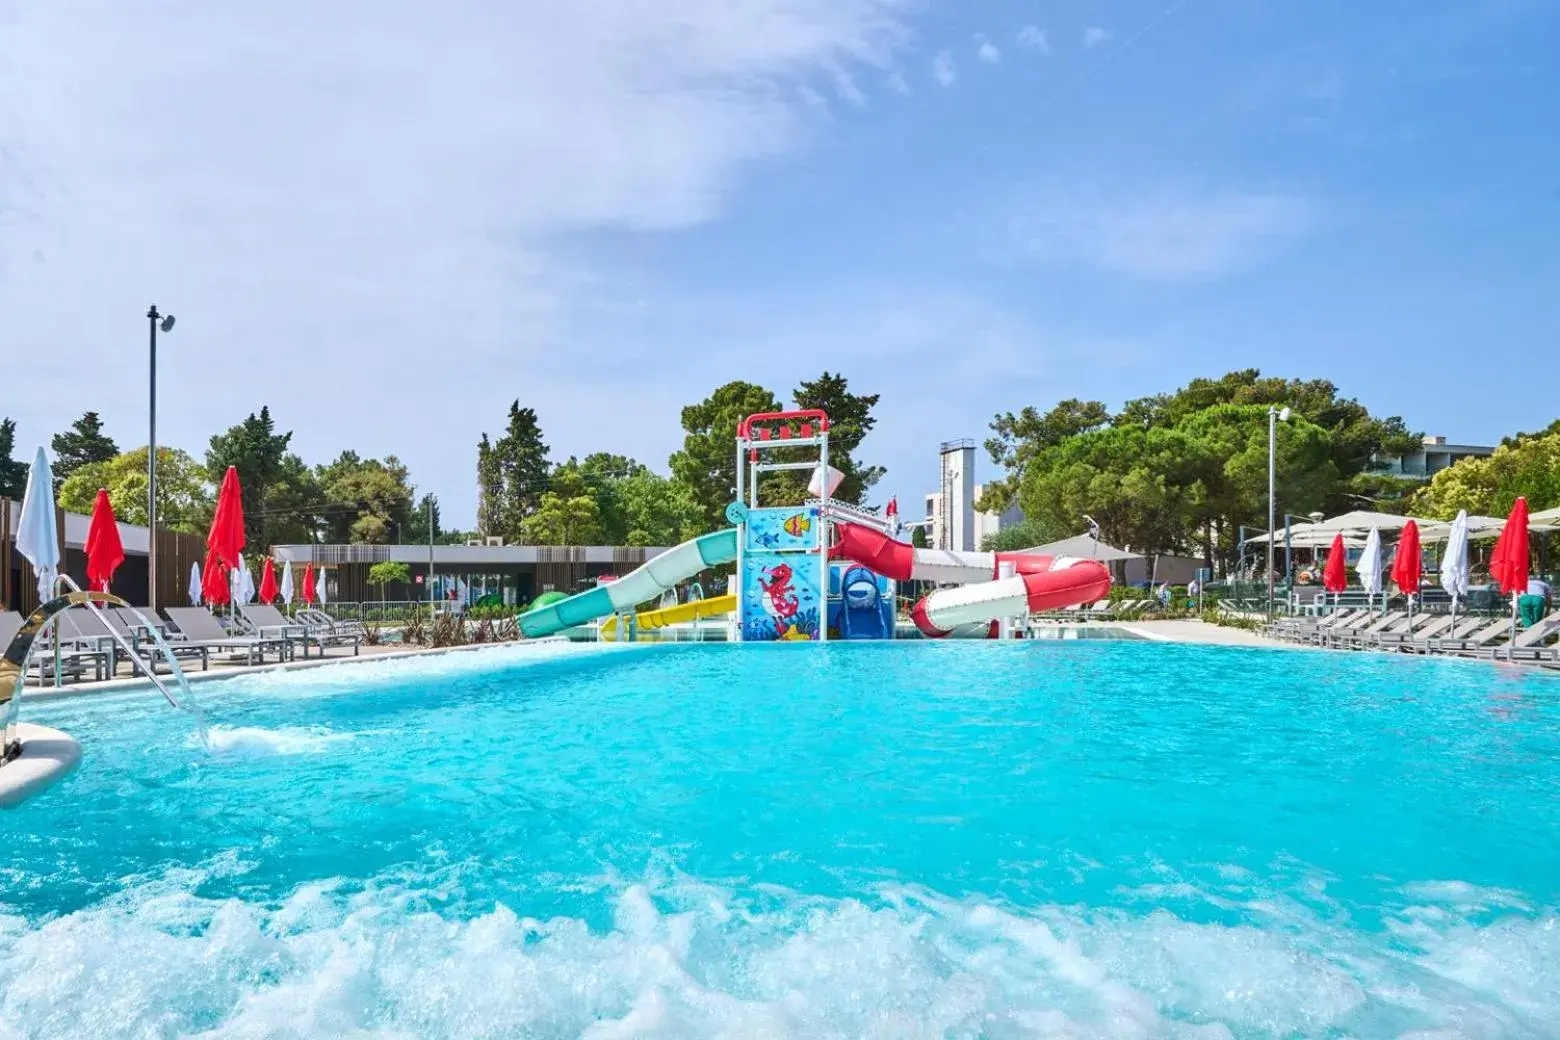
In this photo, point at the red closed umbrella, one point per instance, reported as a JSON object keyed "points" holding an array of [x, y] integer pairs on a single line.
{"points": [[215, 585], [1509, 564], [308, 584], [1408, 566], [105, 552], [1335, 577], [268, 589], [227, 523], [224, 542]]}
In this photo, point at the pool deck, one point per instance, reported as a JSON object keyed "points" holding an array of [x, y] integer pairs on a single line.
{"points": [[1192, 630]]}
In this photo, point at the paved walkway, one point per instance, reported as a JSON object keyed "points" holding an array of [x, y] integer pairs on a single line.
{"points": [[1192, 630]]}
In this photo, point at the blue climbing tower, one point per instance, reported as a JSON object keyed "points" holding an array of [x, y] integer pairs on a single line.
{"points": [[782, 558]]}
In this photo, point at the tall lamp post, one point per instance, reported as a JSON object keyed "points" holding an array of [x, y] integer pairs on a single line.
{"points": [[164, 323], [1275, 416]]}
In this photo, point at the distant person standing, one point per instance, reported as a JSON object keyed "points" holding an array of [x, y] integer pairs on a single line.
{"points": [[1533, 606]]}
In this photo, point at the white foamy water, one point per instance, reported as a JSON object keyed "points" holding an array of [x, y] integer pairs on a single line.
{"points": [[693, 960], [297, 740]]}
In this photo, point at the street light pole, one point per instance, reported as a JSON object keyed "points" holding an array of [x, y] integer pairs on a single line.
{"points": [[154, 322], [433, 611]]}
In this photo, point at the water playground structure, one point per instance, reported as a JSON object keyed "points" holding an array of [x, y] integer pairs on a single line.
{"points": [[820, 570]]}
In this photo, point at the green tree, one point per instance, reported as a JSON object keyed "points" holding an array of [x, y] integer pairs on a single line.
{"points": [[567, 515], [1017, 439], [1026, 534], [706, 464], [850, 420], [13, 471], [603, 475], [516, 463], [258, 452], [184, 498], [84, 443], [369, 500], [417, 523], [490, 489], [292, 511], [658, 511], [1527, 465], [387, 573]]}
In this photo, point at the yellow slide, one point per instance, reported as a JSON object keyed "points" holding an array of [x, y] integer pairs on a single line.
{"points": [[699, 608]]}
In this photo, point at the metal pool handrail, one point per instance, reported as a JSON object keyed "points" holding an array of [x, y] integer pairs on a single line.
{"points": [[13, 665]]}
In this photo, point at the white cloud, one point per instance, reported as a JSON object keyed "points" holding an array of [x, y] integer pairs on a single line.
{"points": [[942, 68], [897, 84], [1094, 37], [845, 87], [987, 51], [1176, 235], [358, 202], [1033, 37]]}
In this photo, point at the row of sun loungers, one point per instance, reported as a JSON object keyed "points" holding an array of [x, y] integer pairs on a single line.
{"points": [[87, 641], [1467, 636], [1104, 611]]}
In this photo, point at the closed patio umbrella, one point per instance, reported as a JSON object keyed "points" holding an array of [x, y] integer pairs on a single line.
{"points": [[37, 536], [319, 587], [225, 541], [1509, 562], [194, 589], [287, 588], [268, 583], [1335, 576], [105, 552], [1408, 566], [1454, 561], [1369, 567], [308, 584]]}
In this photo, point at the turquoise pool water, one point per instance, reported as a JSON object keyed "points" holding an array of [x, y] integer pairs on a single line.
{"points": [[1086, 838]]}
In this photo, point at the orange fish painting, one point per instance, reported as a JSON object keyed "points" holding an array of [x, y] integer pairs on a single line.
{"points": [[798, 525]]}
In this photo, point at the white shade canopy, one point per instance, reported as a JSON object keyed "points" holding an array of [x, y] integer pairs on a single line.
{"points": [[1307, 536], [1083, 547], [1545, 520], [38, 535]]}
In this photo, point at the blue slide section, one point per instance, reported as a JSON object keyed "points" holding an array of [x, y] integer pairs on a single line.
{"points": [[861, 605]]}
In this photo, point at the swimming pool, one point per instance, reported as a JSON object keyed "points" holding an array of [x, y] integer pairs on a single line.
{"points": [[1066, 838]]}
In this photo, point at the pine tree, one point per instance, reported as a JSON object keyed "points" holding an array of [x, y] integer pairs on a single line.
{"points": [[84, 443], [490, 490], [520, 456], [13, 474]]}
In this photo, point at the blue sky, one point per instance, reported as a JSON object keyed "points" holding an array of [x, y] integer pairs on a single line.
{"points": [[388, 220]]}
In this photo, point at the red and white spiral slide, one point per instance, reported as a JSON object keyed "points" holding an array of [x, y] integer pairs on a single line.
{"points": [[1038, 582]]}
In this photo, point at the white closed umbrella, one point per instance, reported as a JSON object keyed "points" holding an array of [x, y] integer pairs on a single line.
{"points": [[238, 580], [319, 588], [195, 590], [286, 588], [247, 592], [37, 536], [1454, 561], [1369, 566]]}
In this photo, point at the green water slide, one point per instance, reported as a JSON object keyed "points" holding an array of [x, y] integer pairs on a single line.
{"points": [[644, 583]]}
